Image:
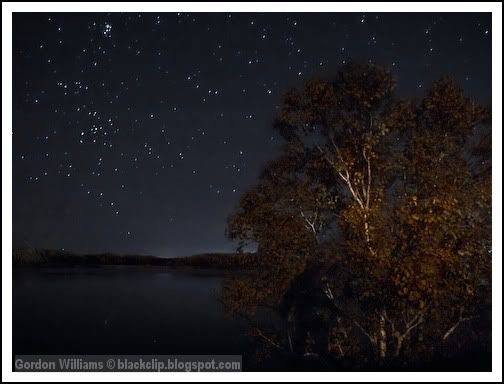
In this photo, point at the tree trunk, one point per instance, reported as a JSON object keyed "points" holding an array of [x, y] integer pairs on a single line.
{"points": [[382, 336], [399, 345]]}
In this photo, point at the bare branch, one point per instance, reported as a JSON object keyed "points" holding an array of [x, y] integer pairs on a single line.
{"points": [[310, 225], [344, 176], [368, 193], [455, 326], [416, 321], [354, 193], [392, 324], [371, 339], [270, 341], [340, 349]]}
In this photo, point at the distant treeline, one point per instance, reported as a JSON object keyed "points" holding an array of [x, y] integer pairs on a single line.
{"points": [[57, 258]]}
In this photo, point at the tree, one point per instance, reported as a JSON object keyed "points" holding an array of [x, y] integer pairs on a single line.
{"points": [[373, 223]]}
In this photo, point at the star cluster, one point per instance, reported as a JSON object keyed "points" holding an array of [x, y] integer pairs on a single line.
{"points": [[138, 132]]}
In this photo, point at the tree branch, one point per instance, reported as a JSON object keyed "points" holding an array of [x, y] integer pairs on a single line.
{"points": [[368, 193], [270, 341], [455, 326]]}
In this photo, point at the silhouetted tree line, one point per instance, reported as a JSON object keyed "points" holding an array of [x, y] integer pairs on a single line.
{"points": [[241, 260], [373, 226], [48, 257]]}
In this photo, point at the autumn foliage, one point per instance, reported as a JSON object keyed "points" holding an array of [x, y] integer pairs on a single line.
{"points": [[372, 225]]}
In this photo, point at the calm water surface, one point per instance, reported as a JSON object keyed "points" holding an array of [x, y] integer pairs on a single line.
{"points": [[122, 310], [141, 310]]}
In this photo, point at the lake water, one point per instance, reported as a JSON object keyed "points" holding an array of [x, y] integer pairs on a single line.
{"points": [[142, 310], [122, 310]]}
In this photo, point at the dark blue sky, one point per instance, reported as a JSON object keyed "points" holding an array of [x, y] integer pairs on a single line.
{"points": [[136, 133]]}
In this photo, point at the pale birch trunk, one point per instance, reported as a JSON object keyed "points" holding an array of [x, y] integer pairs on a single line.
{"points": [[382, 335]]}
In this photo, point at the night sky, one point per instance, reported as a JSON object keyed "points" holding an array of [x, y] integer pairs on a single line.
{"points": [[136, 133]]}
